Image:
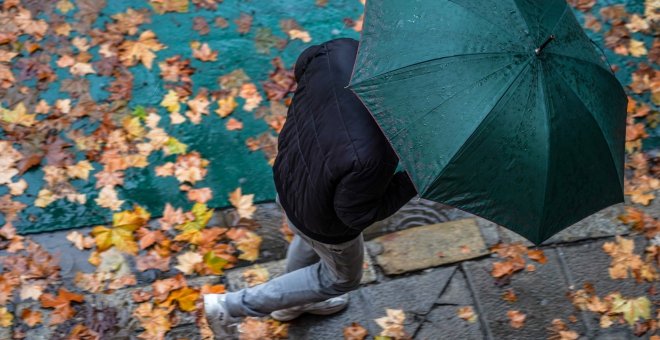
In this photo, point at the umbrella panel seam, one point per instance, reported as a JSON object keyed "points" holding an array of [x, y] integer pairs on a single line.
{"points": [[443, 102], [467, 140]]}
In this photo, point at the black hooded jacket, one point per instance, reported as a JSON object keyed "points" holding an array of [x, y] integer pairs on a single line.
{"points": [[335, 170]]}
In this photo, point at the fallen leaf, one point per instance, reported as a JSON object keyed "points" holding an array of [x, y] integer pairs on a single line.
{"points": [[30, 317], [516, 318], [467, 313], [355, 332], [61, 305], [187, 262]]}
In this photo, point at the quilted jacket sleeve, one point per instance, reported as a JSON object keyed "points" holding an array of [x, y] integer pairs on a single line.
{"points": [[371, 194]]}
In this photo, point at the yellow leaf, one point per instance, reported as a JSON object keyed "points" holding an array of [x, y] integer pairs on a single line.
{"points": [[226, 106], [171, 101], [132, 51], [185, 297], [121, 234], [18, 115], [44, 198], [637, 48], [64, 6], [80, 170], [632, 309], [133, 127], [6, 318]]}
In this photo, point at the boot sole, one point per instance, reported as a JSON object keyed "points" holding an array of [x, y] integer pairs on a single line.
{"points": [[326, 311]]}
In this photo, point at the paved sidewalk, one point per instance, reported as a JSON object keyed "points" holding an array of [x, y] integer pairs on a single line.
{"points": [[430, 271]]}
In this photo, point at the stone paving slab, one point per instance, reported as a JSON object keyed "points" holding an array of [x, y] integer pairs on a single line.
{"points": [[588, 263], [541, 296], [415, 295], [428, 246], [443, 321], [235, 280]]}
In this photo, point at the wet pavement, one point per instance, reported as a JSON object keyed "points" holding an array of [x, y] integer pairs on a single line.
{"points": [[429, 293]]}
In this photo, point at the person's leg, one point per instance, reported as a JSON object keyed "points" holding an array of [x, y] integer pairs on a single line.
{"points": [[338, 272], [300, 254]]}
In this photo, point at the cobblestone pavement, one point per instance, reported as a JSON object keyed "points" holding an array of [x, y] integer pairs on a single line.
{"points": [[429, 260]]}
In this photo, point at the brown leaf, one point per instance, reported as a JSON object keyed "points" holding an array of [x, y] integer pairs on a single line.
{"points": [[61, 304], [355, 332], [243, 23]]}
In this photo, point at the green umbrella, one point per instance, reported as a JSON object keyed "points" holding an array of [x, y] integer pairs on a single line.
{"points": [[502, 108]]}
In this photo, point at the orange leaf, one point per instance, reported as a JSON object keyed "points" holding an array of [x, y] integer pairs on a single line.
{"points": [[30, 317], [61, 303], [355, 332]]}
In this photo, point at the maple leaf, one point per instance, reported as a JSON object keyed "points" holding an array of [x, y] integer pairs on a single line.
{"points": [[174, 147], [61, 304], [234, 124], [537, 255], [242, 203], [190, 167], [226, 106], [108, 198], [632, 309], [187, 262], [509, 296], [121, 234], [637, 48], [257, 329], [171, 217], [355, 332], [255, 276], [163, 6], [299, 34], [516, 318], [81, 332], [154, 320], [184, 297], [201, 195], [18, 115], [467, 313], [30, 317], [203, 51], [171, 101], [251, 95], [243, 23], [392, 324], [162, 288], [6, 318], [192, 228], [152, 261], [132, 51], [247, 242], [214, 263], [32, 290], [79, 240]]}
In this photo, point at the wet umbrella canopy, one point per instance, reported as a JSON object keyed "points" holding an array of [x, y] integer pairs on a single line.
{"points": [[502, 108]]}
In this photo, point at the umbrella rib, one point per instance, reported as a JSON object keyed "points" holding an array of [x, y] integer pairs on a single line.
{"points": [[541, 80], [462, 148], [602, 133], [450, 97], [388, 72], [583, 60]]}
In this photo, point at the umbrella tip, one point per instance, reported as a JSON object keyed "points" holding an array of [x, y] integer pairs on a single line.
{"points": [[547, 41]]}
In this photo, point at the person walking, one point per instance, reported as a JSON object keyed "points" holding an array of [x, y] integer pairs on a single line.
{"points": [[335, 175]]}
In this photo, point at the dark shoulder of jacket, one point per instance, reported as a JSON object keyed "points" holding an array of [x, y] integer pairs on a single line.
{"points": [[313, 51]]}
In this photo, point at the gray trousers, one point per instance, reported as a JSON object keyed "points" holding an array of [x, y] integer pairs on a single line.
{"points": [[315, 272]]}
